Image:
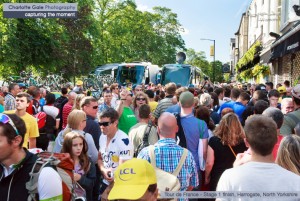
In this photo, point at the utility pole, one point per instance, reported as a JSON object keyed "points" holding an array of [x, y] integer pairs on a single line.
{"points": [[214, 57]]}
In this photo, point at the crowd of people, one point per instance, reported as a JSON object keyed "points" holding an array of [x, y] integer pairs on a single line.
{"points": [[234, 137]]}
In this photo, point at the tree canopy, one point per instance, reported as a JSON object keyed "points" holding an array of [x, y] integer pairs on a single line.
{"points": [[106, 31]]}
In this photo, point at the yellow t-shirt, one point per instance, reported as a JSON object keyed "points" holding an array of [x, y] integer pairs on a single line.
{"points": [[32, 130], [153, 106]]}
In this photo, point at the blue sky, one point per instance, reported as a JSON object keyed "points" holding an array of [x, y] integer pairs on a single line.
{"points": [[211, 19]]}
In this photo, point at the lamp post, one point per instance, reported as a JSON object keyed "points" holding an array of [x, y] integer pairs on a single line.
{"points": [[213, 70]]}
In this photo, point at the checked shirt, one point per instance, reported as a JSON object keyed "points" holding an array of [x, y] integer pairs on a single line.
{"points": [[168, 155]]}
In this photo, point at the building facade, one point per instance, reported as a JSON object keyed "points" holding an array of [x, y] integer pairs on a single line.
{"points": [[264, 17], [285, 57]]}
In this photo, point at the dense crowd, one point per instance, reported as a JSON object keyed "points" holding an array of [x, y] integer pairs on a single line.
{"points": [[231, 137]]}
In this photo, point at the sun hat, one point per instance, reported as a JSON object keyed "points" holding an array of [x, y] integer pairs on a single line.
{"points": [[79, 82], [281, 89], [132, 179]]}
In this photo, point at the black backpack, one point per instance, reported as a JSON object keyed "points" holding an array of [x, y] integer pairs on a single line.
{"points": [[59, 103], [47, 132], [180, 134], [145, 142]]}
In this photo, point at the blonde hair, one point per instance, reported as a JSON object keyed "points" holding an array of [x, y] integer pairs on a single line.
{"points": [[74, 119], [230, 130], [77, 101], [288, 155]]}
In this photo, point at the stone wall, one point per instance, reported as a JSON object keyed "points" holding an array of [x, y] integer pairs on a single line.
{"points": [[286, 69], [296, 70]]}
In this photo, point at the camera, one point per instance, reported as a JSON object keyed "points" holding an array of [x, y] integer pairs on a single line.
{"points": [[205, 78]]}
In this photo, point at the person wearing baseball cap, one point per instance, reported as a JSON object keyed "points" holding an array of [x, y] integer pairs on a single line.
{"points": [[291, 119], [79, 87], [134, 179]]}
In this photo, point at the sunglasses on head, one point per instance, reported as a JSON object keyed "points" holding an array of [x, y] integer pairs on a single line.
{"points": [[105, 123], [5, 119], [140, 99], [95, 107]]}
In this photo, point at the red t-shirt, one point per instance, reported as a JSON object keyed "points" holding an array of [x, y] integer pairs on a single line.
{"points": [[65, 113], [275, 149]]}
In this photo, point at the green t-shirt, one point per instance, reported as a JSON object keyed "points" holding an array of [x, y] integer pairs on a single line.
{"points": [[127, 120]]}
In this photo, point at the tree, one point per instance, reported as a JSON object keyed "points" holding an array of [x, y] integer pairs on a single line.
{"points": [[198, 59]]}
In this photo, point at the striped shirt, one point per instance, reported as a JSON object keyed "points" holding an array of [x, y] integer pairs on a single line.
{"points": [[162, 106], [168, 154], [65, 113]]}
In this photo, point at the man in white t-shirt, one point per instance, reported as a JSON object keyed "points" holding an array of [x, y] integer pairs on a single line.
{"points": [[16, 162], [260, 174], [115, 147]]}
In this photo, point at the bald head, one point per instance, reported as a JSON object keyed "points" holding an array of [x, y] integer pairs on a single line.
{"points": [[71, 96], [167, 125]]}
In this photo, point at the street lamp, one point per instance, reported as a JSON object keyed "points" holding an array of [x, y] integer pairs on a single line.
{"points": [[214, 56]]}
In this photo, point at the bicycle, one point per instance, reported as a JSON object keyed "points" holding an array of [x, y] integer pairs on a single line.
{"points": [[28, 79]]}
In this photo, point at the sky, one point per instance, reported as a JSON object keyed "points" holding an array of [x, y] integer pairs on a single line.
{"points": [[210, 19]]}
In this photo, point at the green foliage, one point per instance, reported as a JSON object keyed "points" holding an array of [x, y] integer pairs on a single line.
{"points": [[198, 59], [260, 70], [227, 77], [106, 31], [249, 55], [247, 74]]}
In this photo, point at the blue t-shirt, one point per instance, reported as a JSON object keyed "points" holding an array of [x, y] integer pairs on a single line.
{"points": [[194, 129], [174, 109], [237, 107]]}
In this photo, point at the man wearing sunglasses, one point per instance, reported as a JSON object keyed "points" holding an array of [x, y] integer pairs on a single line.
{"points": [[115, 147], [32, 131], [90, 106], [16, 163]]}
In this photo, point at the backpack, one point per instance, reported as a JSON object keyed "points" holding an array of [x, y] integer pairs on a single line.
{"points": [[41, 118], [33, 107], [145, 142], [59, 102], [180, 134], [64, 165], [167, 181]]}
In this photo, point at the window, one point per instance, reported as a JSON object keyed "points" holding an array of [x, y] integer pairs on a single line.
{"points": [[256, 15]]}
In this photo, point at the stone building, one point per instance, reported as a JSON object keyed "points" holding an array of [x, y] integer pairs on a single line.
{"points": [[285, 57]]}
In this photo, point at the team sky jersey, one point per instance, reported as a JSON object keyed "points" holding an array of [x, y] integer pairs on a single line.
{"points": [[119, 148]]}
